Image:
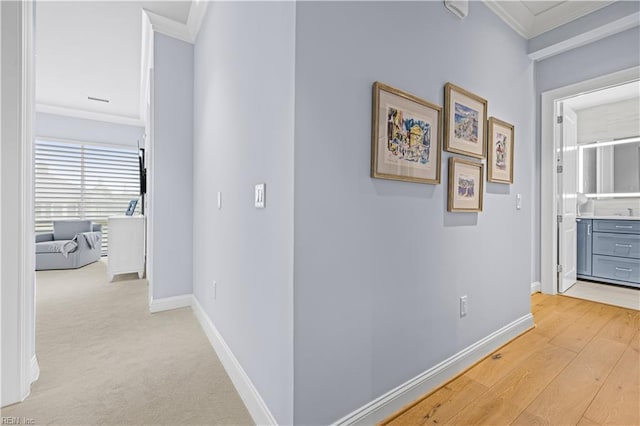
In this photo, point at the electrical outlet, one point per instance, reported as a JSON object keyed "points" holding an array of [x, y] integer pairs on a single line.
{"points": [[463, 306], [215, 285]]}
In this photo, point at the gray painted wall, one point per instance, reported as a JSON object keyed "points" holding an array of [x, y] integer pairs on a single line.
{"points": [[615, 53], [80, 129], [171, 166], [244, 109], [380, 265]]}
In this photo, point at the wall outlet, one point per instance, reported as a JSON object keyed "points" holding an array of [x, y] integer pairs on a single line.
{"points": [[463, 306], [215, 285]]}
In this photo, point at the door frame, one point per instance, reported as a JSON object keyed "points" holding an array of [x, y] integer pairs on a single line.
{"points": [[548, 175], [28, 369], [22, 337]]}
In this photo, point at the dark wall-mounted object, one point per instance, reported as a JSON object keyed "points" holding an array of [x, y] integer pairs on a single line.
{"points": [[143, 172]]}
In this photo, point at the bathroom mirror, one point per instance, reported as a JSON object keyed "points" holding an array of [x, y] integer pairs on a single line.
{"points": [[610, 169]]}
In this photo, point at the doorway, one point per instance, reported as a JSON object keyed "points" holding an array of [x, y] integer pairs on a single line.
{"points": [[564, 144]]}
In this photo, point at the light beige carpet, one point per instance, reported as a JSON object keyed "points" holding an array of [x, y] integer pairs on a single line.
{"points": [[104, 359]]}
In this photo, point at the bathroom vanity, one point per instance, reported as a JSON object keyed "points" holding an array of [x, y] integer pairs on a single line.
{"points": [[609, 249]]}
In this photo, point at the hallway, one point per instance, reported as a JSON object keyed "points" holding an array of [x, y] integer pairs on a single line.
{"points": [[104, 359]]}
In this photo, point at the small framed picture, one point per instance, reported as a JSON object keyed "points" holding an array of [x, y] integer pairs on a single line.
{"points": [[500, 152], [465, 115], [406, 135], [132, 207], [465, 185]]}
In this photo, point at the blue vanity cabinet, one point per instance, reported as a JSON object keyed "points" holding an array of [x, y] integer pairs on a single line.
{"points": [[609, 251], [585, 228]]}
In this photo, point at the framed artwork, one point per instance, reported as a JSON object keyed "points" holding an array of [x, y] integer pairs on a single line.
{"points": [[465, 185], [465, 116], [406, 134], [500, 151]]}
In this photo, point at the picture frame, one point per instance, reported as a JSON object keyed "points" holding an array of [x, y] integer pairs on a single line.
{"points": [[465, 118], [132, 207], [406, 136], [500, 148], [466, 185]]}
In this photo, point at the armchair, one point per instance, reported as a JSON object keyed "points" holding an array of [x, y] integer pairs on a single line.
{"points": [[71, 245]]}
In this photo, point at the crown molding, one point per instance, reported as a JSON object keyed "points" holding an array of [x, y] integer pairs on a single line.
{"points": [[521, 20], [196, 14], [513, 13], [169, 27], [88, 115]]}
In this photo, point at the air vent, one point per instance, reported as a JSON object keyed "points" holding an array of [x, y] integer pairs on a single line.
{"points": [[91, 98]]}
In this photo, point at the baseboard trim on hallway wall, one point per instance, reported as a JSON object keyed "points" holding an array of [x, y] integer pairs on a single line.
{"points": [[535, 287], [168, 303], [35, 369], [250, 396], [391, 402]]}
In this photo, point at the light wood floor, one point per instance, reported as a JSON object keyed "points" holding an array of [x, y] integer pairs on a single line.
{"points": [[579, 366]]}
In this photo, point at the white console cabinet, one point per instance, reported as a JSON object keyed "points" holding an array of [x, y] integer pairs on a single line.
{"points": [[126, 245]]}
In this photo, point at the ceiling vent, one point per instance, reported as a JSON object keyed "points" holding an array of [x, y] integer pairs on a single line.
{"points": [[460, 8], [91, 98]]}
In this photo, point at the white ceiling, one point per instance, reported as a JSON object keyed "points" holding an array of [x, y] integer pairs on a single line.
{"points": [[538, 7], [609, 95], [94, 49], [532, 18]]}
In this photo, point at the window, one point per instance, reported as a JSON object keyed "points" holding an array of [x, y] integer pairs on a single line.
{"points": [[75, 180]]}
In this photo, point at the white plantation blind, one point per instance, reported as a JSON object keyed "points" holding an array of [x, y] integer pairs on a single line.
{"points": [[83, 181]]}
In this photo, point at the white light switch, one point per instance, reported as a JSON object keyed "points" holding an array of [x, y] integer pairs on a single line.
{"points": [[260, 195], [518, 201], [219, 200]]}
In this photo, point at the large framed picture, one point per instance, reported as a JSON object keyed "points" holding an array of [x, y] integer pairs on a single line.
{"points": [[500, 151], [465, 185], [465, 115], [406, 134]]}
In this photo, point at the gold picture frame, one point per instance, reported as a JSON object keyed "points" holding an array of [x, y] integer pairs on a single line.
{"points": [[500, 147], [406, 136], [466, 185], [465, 118]]}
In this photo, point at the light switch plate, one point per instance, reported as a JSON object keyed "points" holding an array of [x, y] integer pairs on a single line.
{"points": [[260, 195], [219, 200], [518, 201]]}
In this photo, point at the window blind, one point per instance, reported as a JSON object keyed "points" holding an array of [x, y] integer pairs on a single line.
{"points": [[83, 181]]}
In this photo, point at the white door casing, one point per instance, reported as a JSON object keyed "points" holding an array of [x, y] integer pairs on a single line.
{"points": [[548, 175], [567, 150]]}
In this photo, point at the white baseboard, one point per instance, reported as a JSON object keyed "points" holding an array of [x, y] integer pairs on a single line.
{"points": [[168, 303], [35, 369], [389, 403], [248, 392], [535, 287]]}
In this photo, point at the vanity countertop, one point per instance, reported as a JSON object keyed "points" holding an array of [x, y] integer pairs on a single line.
{"points": [[610, 217]]}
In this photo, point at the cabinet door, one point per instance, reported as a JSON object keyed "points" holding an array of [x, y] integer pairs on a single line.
{"points": [[584, 246]]}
